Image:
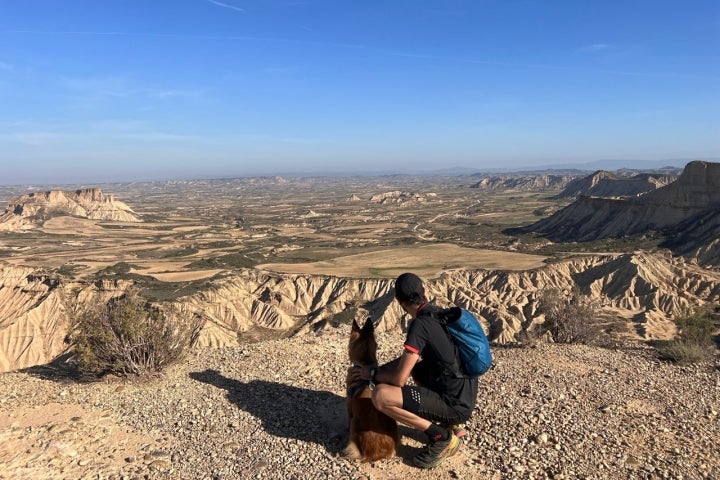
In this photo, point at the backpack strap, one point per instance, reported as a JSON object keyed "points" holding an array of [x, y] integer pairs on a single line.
{"points": [[443, 317]]}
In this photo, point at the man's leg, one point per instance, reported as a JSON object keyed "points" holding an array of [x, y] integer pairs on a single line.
{"points": [[442, 443], [389, 400]]}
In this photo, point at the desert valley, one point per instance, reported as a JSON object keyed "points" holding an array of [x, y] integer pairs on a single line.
{"points": [[278, 268]]}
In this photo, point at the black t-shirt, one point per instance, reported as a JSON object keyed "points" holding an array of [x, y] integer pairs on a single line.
{"points": [[427, 337]]}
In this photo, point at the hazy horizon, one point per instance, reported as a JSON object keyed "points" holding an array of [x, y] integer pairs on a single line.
{"points": [[458, 170], [132, 91]]}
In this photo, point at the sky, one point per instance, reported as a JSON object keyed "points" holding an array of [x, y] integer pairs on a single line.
{"points": [[118, 90]]}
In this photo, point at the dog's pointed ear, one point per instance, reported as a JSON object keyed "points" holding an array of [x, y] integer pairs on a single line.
{"points": [[355, 326], [369, 325]]}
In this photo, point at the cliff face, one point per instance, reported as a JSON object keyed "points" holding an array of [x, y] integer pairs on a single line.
{"points": [[698, 187], [643, 290], [28, 211], [32, 322], [685, 211]]}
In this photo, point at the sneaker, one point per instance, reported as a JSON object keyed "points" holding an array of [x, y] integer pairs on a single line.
{"points": [[459, 430], [437, 451]]}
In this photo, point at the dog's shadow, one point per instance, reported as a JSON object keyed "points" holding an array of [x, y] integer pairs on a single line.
{"points": [[287, 411]]}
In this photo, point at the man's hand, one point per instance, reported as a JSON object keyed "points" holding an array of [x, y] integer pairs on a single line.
{"points": [[360, 373]]}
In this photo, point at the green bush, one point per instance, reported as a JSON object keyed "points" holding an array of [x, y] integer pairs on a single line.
{"points": [[696, 327], [694, 343], [568, 319], [128, 336], [683, 352]]}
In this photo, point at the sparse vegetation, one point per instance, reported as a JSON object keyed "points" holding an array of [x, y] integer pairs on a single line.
{"points": [[694, 343], [128, 336], [162, 253], [120, 268], [68, 270], [568, 319], [344, 317], [229, 261]]}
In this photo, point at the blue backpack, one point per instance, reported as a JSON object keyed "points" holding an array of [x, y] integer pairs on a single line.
{"points": [[469, 337]]}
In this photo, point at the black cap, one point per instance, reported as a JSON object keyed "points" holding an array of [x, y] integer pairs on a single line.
{"points": [[409, 289]]}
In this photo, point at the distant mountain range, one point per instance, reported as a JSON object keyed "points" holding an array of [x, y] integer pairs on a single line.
{"points": [[575, 167]]}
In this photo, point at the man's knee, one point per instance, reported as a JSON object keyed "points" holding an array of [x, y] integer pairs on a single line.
{"points": [[385, 396]]}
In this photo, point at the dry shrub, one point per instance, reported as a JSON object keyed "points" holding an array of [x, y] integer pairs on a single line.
{"points": [[128, 336], [694, 343], [683, 352], [568, 319]]}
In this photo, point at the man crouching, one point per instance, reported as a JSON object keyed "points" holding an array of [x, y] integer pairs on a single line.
{"points": [[440, 401]]}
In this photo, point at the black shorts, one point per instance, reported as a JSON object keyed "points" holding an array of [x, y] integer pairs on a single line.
{"points": [[430, 405]]}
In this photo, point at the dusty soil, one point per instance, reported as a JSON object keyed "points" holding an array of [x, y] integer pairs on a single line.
{"points": [[276, 409]]}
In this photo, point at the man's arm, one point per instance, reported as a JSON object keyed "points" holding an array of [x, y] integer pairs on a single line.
{"points": [[398, 371], [391, 365]]}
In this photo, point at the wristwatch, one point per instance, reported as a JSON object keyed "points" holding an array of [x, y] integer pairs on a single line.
{"points": [[373, 371]]}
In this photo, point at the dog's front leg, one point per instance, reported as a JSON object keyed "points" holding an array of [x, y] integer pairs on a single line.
{"points": [[351, 450]]}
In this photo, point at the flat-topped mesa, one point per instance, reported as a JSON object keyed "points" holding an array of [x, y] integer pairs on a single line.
{"points": [[32, 209]]}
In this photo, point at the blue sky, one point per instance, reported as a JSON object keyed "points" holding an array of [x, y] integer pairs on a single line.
{"points": [[135, 90]]}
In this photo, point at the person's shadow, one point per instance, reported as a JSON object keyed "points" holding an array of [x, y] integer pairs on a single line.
{"points": [[286, 411]]}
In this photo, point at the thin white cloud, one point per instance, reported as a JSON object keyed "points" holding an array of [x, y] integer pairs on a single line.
{"points": [[7, 67], [119, 86], [225, 5], [595, 47], [50, 139]]}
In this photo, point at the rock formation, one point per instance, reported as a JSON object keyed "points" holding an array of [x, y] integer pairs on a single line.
{"points": [[523, 183], [400, 198], [607, 184], [686, 212], [28, 211], [643, 290], [33, 319]]}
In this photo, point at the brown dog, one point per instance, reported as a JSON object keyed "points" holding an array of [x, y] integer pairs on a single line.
{"points": [[373, 435]]}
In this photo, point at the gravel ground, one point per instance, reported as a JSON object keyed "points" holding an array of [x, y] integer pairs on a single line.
{"points": [[276, 410]]}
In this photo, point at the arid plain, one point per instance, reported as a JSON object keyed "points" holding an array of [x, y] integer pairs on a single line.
{"points": [[329, 226]]}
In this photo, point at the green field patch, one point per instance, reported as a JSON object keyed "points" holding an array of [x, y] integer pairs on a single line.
{"points": [[426, 260]]}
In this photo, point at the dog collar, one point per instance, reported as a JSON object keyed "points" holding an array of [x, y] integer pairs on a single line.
{"points": [[355, 389]]}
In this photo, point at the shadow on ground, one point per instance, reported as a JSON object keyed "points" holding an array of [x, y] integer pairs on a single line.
{"points": [[287, 411], [60, 370]]}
